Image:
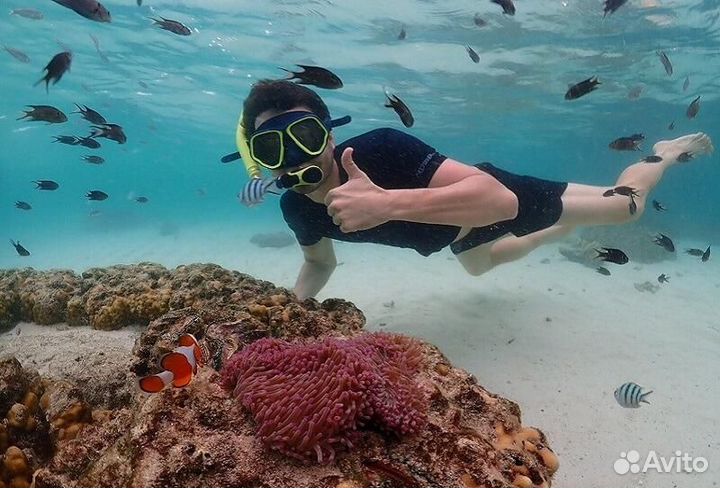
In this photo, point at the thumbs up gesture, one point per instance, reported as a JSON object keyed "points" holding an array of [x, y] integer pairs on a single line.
{"points": [[357, 204]]}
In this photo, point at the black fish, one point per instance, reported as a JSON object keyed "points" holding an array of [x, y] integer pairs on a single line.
{"points": [[603, 271], [582, 88], [44, 113], [626, 191], [317, 76], [663, 278], [686, 156], [173, 26], [479, 21], [401, 109], [17, 54], [23, 205], [96, 195], [612, 255], [632, 206], [672, 125], [141, 199], [665, 242], [473, 55], [694, 251], [46, 185], [612, 5], [110, 131], [658, 206], [90, 9], [686, 84], [56, 68], [402, 34], [693, 108], [706, 255], [20, 250], [88, 142], [665, 62], [69, 140], [507, 6], [90, 115], [651, 159], [94, 159], [629, 143]]}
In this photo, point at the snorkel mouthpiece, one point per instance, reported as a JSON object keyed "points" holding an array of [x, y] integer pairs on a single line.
{"points": [[306, 176]]}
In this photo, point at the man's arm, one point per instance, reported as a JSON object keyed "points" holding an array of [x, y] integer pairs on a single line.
{"points": [[320, 262], [458, 194]]}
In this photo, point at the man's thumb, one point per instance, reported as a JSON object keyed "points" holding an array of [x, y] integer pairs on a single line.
{"points": [[349, 164]]}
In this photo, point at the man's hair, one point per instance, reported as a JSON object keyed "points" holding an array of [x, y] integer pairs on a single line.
{"points": [[280, 95]]}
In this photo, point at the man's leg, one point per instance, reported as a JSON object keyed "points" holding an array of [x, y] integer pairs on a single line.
{"points": [[585, 204]]}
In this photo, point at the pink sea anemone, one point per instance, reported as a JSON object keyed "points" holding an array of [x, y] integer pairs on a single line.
{"points": [[310, 399]]}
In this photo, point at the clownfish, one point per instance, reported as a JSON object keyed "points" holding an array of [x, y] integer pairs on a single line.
{"points": [[179, 366]]}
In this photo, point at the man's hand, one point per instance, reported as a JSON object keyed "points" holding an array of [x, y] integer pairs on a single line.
{"points": [[359, 203]]}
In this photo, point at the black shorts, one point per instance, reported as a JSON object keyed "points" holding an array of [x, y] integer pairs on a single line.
{"points": [[540, 206]]}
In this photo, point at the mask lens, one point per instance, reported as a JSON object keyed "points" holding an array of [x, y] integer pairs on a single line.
{"points": [[309, 134], [266, 148]]}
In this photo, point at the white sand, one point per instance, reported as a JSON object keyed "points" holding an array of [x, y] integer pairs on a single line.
{"points": [[555, 337]]}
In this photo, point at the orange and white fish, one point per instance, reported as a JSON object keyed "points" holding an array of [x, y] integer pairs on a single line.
{"points": [[179, 366]]}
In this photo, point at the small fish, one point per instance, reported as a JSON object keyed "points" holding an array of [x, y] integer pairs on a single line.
{"points": [[20, 250], [403, 34], [632, 206], [97, 48], [44, 113], [401, 109], [479, 21], [665, 242], [254, 191], [142, 199], [110, 131], [94, 159], [143, 84], [686, 83], [694, 252], [17, 54], [603, 271], [665, 62], [507, 6], [629, 143], [663, 278], [46, 185], [630, 395], [28, 13], [658, 206], [88, 142], [69, 140], [90, 9], [583, 88], [635, 92], [706, 255], [686, 156], [473, 55], [317, 76], [626, 191], [612, 5], [23, 205], [90, 115], [611, 255], [693, 108], [179, 366], [651, 159], [672, 125], [173, 26], [56, 68], [96, 195]]}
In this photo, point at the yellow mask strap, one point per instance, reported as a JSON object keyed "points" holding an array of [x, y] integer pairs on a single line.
{"points": [[252, 168]]}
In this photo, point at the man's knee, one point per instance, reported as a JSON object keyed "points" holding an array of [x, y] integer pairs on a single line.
{"points": [[477, 263]]}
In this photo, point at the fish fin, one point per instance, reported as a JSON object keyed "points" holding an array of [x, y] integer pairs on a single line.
{"points": [[178, 364], [187, 340], [294, 74], [642, 397], [156, 382]]}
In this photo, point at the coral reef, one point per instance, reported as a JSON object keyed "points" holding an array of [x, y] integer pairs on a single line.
{"points": [[273, 239], [417, 420]]}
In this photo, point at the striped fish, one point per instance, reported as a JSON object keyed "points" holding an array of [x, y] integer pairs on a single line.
{"points": [[255, 190], [629, 395]]}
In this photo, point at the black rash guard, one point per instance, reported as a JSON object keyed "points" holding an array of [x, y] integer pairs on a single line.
{"points": [[392, 160]]}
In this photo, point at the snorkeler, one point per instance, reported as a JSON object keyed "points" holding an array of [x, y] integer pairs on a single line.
{"points": [[388, 187]]}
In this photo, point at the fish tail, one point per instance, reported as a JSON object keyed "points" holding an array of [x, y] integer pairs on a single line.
{"points": [[642, 397]]}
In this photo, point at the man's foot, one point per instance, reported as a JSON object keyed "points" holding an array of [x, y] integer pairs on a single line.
{"points": [[684, 148]]}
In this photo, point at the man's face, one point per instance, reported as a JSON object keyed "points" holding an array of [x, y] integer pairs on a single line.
{"points": [[324, 160]]}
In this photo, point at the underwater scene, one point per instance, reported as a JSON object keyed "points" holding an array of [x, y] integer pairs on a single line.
{"points": [[333, 243]]}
